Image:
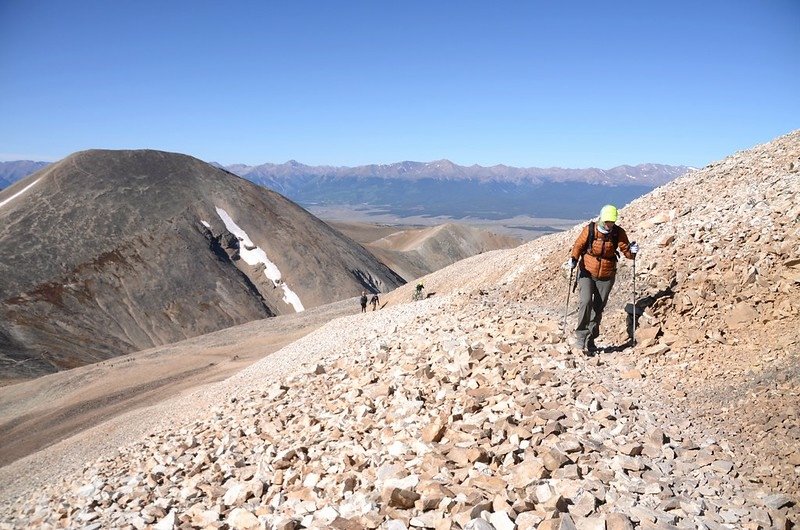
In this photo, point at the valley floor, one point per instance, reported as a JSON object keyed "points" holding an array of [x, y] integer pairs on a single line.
{"points": [[366, 226]]}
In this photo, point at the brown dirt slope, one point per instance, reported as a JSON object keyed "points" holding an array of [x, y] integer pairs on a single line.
{"points": [[365, 233], [417, 252]]}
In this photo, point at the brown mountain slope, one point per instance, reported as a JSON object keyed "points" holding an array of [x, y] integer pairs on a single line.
{"points": [[417, 252], [108, 252]]}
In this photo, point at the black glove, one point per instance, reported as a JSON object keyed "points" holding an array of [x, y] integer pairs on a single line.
{"points": [[573, 263]]}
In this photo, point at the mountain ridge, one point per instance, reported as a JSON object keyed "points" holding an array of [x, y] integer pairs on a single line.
{"points": [[14, 170], [650, 174], [647, 174]]}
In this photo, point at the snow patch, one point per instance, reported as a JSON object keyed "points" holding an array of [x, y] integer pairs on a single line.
{"points": [[20, 192], [205, 223], [252, 255]]}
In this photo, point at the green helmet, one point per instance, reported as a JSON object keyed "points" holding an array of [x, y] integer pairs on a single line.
{"points": [[609, 213]]}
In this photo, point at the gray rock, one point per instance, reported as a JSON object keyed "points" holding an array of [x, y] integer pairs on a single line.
{"points": [[776, 501], [478, 524]]}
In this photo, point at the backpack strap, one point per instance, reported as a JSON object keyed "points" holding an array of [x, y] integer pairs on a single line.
{"points": [[590, 239]]}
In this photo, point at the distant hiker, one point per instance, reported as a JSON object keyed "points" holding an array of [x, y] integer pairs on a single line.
{"points": [[363, 301], [374, 301], [418, 293], [596, 251]]}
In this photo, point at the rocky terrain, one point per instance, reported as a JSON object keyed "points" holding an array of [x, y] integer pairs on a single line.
{"points": [[469, 410], [109, 252]]}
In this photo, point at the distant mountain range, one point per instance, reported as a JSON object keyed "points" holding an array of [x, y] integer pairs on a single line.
{"points": [[10, 172], [442, 188], [642, 175]]}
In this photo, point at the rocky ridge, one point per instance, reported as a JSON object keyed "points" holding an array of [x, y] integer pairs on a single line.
{"points": [[469, 411]]}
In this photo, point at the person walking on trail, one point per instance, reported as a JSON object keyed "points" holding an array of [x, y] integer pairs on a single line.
{"points": [[596, 252], [363, 301], [374, 301]]}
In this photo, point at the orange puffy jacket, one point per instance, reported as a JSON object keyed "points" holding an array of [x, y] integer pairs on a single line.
{"points": [[600, 261]]}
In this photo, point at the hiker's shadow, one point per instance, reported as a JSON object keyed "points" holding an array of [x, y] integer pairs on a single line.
{"points": [[639, 310], [616, 349]]}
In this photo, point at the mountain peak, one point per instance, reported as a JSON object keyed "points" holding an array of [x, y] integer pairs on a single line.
{"points": [[196, 248]]}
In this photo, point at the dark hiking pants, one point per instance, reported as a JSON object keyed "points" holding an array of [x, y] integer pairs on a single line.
{"points": [[593, 299]]}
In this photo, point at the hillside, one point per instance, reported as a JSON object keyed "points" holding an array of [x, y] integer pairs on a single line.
{"points": [[469, 411], [43, 411], [108, 252], [415, 252]]}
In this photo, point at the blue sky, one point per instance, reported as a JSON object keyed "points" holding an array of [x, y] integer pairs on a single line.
{"points": [[571, 84]]}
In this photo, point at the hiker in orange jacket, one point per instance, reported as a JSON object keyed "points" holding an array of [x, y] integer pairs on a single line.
{"points": [[597, 244]]}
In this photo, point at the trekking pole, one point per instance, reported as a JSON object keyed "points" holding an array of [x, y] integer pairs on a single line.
{"points": [[634, 302], [566, 309]]}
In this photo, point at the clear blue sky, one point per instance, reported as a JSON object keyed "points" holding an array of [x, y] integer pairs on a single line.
{"points": [[535, 83]]}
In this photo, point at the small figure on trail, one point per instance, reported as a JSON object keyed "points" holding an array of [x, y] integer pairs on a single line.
{"points": [[596, 251], [374, 301], [363, 301], [418, 294]]}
